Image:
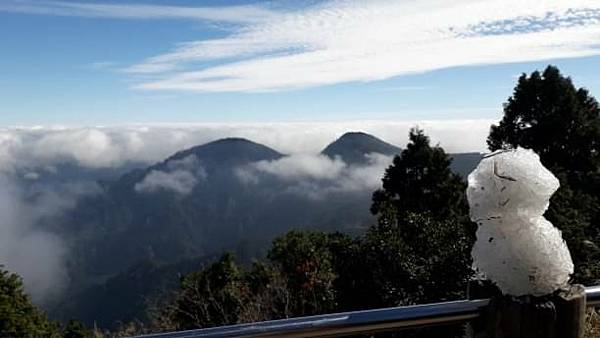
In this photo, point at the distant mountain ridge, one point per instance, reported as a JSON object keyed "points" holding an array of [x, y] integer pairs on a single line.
{"points": [[214, 156], [220, 210], [125, 225], [353, 146], [229, 151]]}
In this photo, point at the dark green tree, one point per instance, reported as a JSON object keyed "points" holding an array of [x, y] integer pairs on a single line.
{"points": [[419, 250], [224, 294], [576, 214], [269, 293], [418, 259], [18, 316], [210, 297], [420, 180], [76, 329], [305, 260], [548, 114]]}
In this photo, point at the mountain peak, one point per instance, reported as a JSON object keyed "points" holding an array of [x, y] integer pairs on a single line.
{"points": [[232, 150], [356, 135], [353, 146]]}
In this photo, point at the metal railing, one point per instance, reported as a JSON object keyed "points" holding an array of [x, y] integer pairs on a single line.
{"points": [[357, 322]]}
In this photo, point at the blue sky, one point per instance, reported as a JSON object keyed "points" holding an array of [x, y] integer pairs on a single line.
{"points": [[109, 62]]}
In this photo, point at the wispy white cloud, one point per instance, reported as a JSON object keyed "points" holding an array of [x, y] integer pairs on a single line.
{"points": [[180, 176], [302, 166], [236, 14], [270, 48], [351, 41], [178, 181], [317, 176]]}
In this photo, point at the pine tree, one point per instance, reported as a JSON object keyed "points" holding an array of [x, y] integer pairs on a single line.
{"points": [[76, 329], [420, 180], [18, 316], [547, 114]]}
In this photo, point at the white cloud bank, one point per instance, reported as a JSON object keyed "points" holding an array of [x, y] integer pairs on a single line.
{"points": [[108, 147], [28, 156]]}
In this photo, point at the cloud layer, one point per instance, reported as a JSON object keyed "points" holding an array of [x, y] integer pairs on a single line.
{"points": [[109, 147], [137, 11], [356, 41], [33, 190], [283, 46]]}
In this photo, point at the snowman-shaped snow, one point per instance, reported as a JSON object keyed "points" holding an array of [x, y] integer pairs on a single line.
{"points": [[516, 247]]}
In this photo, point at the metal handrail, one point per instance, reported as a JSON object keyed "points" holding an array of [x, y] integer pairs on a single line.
{"points": [[357, 322]]}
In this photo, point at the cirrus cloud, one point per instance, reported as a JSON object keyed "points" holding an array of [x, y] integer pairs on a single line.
{"points": [[136, 11], [284, 46], [355, 41]]}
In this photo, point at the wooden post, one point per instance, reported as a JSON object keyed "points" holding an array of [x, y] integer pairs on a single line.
{"points": [[570, 307], [560, 315]]}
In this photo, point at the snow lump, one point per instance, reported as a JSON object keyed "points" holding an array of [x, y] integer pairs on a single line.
{"points": [[516, 247]]}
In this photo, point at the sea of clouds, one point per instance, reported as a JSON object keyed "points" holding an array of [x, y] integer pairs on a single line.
{"points": [[29, 155]]}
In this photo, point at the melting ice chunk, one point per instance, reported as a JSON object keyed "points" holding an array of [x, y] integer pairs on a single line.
{"points": [[516, 247]]}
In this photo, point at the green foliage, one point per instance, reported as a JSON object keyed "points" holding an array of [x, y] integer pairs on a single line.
{"points": [[418, 259], [305, 260], [224, 293], [419, 252], [561, 123], [576, 214], [270, 297], [76, 329], [18, 316], [548, 114], [420, 249], [210, 297], [420, 180]]}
